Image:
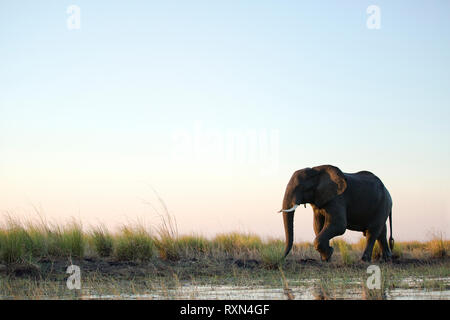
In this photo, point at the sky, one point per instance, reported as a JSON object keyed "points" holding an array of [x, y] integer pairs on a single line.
{"points": [[109, 108]]}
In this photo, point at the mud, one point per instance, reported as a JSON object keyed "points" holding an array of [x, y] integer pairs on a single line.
{"points": [[184, 268]]}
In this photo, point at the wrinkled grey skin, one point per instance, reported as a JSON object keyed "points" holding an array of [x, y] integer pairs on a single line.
{"points": [[355, 201]]}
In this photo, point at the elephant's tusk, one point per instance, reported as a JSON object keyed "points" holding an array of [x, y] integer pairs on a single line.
{"points": [[290, 210]]}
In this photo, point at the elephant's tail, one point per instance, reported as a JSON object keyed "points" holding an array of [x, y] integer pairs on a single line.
{"points": [[391, 240]]}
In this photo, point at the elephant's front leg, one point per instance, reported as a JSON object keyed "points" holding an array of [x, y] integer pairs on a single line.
{"points": [[319, 221], [321, 243]]}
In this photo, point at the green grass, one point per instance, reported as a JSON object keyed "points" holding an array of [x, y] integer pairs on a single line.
{"points": [[102, 241], [133, 243], [184, 279], [32, 241], [194, 245], [19, 242], [235, 242], [15, 245], [167, 241], [66, 241], [397, 252], [344, 250], [139, 259], [271, 253]]}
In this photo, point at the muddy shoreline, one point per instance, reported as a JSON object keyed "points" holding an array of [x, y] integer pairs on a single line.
{"points": [[188, 268]]}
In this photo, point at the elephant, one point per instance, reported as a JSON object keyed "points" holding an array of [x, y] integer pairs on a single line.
{"points": [[355, 201]]}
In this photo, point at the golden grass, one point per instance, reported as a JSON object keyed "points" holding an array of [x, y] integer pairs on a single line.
{"points": [[236, 242], [194, 245], [27, 241], [271, 253], [133, 243], [20, 241], [102, 241], [344, 250], [437, 246]]}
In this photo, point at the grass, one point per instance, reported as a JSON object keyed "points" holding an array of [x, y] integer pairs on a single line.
{"points": [[172, 280], [438, 246], [20, 242], [159, 262], [133, 243], [271, 253], [139, 260], [102, 241], [167, 241], [344, 250], [236, 242], [15, 245], [33, 241], [193, 245], [311, 282], [64, 241]]}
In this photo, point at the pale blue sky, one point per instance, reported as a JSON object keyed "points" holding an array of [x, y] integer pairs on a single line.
{"points": [[88, 116]]}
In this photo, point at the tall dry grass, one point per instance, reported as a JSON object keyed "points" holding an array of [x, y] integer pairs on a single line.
{"points": [[344, 250], [24, 241], [133, 242], [167, 241], [236, 243], [20, 241], [102, 241], [437, 246]]}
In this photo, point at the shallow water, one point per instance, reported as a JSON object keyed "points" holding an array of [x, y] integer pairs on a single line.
{"points": [[263, 293], [306, 289], [306, 292]]}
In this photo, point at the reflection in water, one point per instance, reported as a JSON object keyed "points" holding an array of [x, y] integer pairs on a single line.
{"points": [[270, 293], [310, 289]]}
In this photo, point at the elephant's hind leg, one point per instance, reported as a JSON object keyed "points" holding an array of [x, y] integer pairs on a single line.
{"points": [[371, 236], [382, 241]]}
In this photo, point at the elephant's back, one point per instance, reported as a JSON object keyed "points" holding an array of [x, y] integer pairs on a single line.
{"points": [[366, 197], [365, 177], [365, 182]]}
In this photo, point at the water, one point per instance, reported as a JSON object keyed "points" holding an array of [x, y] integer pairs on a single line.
{"points": [[309, 291], [263, 293]]}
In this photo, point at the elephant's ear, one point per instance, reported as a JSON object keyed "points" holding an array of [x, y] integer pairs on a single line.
{"points": [[331, 183]]}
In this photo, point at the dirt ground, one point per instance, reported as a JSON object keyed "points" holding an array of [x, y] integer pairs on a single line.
{"points": [[194, 267]]}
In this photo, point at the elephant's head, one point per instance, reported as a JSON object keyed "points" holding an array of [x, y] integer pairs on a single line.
{"points": [[317, 185]]}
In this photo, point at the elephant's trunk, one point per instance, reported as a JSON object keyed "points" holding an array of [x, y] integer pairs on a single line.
{"points": [[291, 201], [288, 218]]}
